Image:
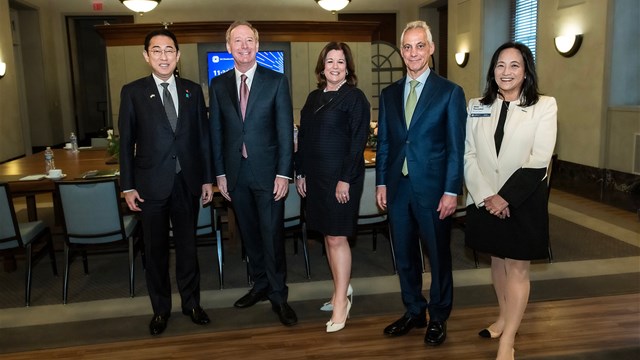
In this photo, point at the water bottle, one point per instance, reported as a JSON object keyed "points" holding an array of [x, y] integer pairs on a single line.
{"points": [[48, 160], [73, 139]]}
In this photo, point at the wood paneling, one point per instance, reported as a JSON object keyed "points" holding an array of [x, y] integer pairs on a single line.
{"points": [[287, 31], [549, 330]]}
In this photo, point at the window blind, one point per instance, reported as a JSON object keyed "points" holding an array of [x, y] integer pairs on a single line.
{"points": [[524, 20]]}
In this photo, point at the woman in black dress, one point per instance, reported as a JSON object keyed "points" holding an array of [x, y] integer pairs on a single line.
{"points": [[333, 132], [511, 133]]}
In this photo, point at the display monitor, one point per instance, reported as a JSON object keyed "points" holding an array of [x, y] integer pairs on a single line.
{"points": [[219, 62]]}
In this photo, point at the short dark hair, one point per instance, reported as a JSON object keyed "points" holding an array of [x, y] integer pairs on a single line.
{"points": [[160, 32], [529, 94], [351, 77]]}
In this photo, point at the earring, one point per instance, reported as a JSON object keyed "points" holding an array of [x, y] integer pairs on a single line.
{"points": [[347, 72], [322, 72]]}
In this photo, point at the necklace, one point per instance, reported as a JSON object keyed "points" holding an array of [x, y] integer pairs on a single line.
{"points": [[337, 87]]}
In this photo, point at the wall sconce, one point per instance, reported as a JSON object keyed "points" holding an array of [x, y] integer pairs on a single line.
{"points": [[333, 5], [3, 69], [140, 6], [568, 45], [462, 58]]}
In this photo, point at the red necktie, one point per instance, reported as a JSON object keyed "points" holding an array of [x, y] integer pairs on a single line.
{"points": [[244, 97]]}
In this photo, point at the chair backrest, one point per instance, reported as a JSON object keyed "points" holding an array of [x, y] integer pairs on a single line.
{"points": [[9, 234], [99, 142], [292, 207], [205, 224], [369, 211], [91, 211]]}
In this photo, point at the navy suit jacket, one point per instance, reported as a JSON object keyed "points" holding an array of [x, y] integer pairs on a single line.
{"points": [[267, 130], [149, 147], [433, 144]]}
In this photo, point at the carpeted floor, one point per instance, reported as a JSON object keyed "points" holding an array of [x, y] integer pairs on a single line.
{"points": [[108, 280], [108, 274]]}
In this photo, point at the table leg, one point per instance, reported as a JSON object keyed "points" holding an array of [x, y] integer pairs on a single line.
{"points": [[32, 209]]}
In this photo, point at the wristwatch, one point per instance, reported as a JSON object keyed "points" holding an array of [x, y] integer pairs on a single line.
{"points": [[298, 177]]}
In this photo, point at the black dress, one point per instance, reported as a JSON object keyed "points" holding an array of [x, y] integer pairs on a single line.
{"points": [[334, 127]]}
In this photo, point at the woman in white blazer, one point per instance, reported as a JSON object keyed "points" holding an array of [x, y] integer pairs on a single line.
{"points": [[511, 134]]}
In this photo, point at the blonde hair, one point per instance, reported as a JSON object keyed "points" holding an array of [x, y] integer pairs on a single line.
{"points": [[237, 23]]}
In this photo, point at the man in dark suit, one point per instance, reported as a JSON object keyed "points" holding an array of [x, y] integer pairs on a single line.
{"points": [[165, 166], [252, 134], [419, 171]]}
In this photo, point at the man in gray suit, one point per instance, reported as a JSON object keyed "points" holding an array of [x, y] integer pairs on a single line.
{"points": [[251, 128]]}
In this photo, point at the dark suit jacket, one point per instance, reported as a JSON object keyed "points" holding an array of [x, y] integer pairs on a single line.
{"points": [[267, 129], [148, 145], [433, 144]]}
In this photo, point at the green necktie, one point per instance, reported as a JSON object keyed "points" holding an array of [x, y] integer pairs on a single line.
{"points": [[409, 108]]}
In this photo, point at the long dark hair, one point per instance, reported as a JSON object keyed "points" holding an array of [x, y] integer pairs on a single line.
{"points": [[529, 94], [351, 77]]}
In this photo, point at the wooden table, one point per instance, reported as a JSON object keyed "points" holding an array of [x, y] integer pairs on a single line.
{"points": [[72, 164]]}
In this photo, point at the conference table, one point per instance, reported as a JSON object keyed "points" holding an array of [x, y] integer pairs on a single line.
{"points": [[73, 165]]}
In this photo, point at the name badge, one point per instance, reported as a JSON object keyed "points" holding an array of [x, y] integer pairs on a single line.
{"points": [[480, 111]]}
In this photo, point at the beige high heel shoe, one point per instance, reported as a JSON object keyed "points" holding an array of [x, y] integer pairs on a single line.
{"points": [[333, 327], [328, 306]]}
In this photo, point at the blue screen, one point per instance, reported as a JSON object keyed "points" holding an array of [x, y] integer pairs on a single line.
{"points": [[219, 62]]}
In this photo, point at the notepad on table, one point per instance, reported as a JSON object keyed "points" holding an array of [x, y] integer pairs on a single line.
{"points": [[33, 177], [92, 174]]}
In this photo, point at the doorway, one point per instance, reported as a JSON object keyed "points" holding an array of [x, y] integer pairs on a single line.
{"points": [[88, 58]]}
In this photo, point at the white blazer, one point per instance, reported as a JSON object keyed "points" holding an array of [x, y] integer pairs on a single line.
{"points": [[529, 140]]}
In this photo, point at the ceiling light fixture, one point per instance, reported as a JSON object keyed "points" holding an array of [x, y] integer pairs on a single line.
{"points": [[140, 6], [333, 5]]}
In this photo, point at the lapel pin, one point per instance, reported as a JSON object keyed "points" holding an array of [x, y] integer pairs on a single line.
{"points": [[152, 96]]}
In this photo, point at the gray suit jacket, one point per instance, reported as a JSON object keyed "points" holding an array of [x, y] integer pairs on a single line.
{"points": [[267, 130]]}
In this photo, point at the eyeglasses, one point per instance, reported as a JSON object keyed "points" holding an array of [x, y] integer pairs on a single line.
{"points": [[158, 52]]}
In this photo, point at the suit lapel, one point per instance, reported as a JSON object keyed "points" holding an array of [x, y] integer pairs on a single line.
{"points": [[232, 90], [396, 93], [515, 118], [256, 86], [430, 88], [182, 100], [155, 101]]}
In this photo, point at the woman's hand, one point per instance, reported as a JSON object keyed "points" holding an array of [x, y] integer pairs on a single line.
{"points": [[498, 206], [342, 192]]}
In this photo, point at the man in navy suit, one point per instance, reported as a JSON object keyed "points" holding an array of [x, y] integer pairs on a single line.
{"points": [[165, 167], [252, 133], [419, 171]]}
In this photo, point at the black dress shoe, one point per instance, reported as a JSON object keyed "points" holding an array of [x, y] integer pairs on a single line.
{"points": [[198, 316], [250, 299], [285, 313], [404, 324], [436, 333], [158, 324]]}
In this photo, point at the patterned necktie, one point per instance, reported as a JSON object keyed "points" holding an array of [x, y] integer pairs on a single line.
{"points": [[409, 108], [170, 109], [412, 100], [244, 98]]}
